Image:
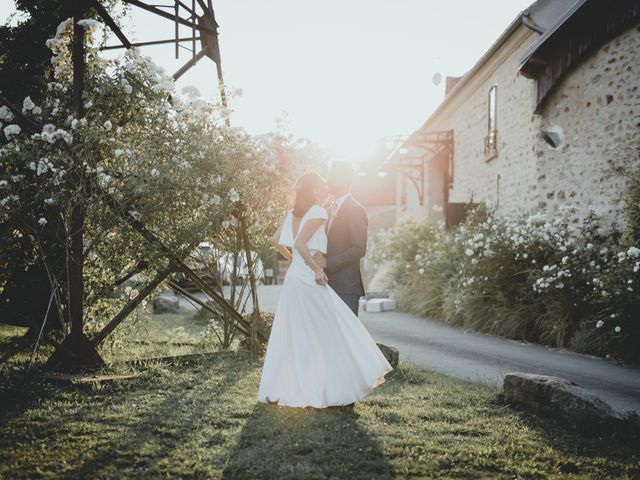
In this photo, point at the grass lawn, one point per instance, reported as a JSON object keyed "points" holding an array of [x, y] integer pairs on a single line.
{"points": [[202, 421], [151, 335]]}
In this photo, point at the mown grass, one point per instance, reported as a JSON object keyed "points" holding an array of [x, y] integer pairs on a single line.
{"points": [[202, 421], [149, 335], [161, 335]]}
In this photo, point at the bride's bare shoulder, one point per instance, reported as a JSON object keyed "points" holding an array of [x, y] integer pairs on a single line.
{"points": [[318, 211]]}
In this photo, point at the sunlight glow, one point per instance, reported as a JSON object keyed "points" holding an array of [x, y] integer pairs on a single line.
{"points": [[344, 74]]}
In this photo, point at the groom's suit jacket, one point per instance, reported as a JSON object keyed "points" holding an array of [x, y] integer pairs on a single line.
{"points": [[347, 244]]}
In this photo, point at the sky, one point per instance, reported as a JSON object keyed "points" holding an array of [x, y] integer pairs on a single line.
{"points": [[343, 73]]}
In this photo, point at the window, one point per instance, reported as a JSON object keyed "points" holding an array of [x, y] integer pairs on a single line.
{"points": [[491, 140]]}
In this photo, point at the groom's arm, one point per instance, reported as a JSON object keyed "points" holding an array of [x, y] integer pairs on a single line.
{"points": [[358, 234]]}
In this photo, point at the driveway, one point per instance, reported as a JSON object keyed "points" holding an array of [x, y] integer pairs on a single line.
{"points": [[486, 359]]}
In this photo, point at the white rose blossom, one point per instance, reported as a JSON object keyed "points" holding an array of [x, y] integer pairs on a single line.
{"points": [[88, 23], [5, 114], [234, 196], [27, 104], [11, 131]]}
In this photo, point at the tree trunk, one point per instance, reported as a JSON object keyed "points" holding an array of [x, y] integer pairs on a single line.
{"points": [[76, 352]]}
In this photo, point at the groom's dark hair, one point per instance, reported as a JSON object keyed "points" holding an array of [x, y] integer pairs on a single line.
{"points": [[305, 193]]}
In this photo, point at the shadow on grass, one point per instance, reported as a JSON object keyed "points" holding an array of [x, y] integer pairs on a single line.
{"points": [[186, 421], [292, 443], [167, 427], [20, 393], [575, 443]]}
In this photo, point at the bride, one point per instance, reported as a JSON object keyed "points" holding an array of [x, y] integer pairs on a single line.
{"points": [[319, 354]]}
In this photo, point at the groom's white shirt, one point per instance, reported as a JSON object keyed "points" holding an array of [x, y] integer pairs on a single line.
{"points": [[337, 203]]}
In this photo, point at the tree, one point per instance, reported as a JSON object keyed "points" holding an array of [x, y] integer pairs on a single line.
{"points": [[139, 151]]}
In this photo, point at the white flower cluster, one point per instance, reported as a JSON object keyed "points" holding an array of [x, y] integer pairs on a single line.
{"points": [[29, 106], [43, 166], [5, 114], [11, 131], [128, 89], [234, 196], [550, 255], [88, 23], [211, 199], [552, 277], [51, 135], [59, 47]]}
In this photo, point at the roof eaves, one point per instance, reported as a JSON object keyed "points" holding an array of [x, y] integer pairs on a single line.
{"points": [[531, 49]]}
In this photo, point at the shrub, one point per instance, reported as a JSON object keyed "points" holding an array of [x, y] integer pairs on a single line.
{"points": [[537, 278], [168, 160]]}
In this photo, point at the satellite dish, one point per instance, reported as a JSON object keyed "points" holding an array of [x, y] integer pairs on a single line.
{"points": [[437, 78]]}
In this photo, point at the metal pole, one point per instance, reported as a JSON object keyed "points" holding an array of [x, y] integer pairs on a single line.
{"points": [[193, 29], [44, 321], [177, 29], [76, 252]]}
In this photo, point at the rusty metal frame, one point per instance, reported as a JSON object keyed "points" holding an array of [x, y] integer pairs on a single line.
{"points": [[201, 21], [203, 28], [434, 144]]}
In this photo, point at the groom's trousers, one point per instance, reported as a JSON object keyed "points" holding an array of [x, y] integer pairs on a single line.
{"points": [[352, 301]]}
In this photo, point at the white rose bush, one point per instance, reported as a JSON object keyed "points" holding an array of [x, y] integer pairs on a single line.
{"points": [[540, 278], [169, 162]]}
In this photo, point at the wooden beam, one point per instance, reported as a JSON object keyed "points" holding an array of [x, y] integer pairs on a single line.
{"points": [[243, 327], [132, 304], [168, 16], [26, 122], [111, 23], [147, 44], [190, 63], [182, 4], [151, 237], [75, 262]]}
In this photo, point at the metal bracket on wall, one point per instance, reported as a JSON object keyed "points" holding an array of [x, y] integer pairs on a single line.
{"points": [[410, 157]]}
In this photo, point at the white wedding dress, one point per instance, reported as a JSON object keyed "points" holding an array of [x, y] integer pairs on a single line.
{"points": [[319, 354]]}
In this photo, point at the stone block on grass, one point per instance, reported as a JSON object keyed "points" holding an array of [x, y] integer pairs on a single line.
{"points": [[391, 354], [560, 398]]}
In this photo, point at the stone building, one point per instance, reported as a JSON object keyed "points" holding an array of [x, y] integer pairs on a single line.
{"points": [[538, 122]]}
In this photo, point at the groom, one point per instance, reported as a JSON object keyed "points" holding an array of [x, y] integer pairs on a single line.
{"points": [[347, 236]]}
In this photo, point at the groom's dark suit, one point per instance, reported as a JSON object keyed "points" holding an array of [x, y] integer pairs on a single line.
{"points": [[347, 244]]}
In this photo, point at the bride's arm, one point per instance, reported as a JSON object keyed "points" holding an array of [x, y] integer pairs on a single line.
{"points": [[275, 239], [284, 251], [301, 245]]}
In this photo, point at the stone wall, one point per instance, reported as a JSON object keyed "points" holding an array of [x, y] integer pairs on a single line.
{"points": [[507, 180], [595, 112]]}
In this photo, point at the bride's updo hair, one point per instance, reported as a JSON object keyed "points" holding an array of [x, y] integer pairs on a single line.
{"points": [[306, 188]]}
